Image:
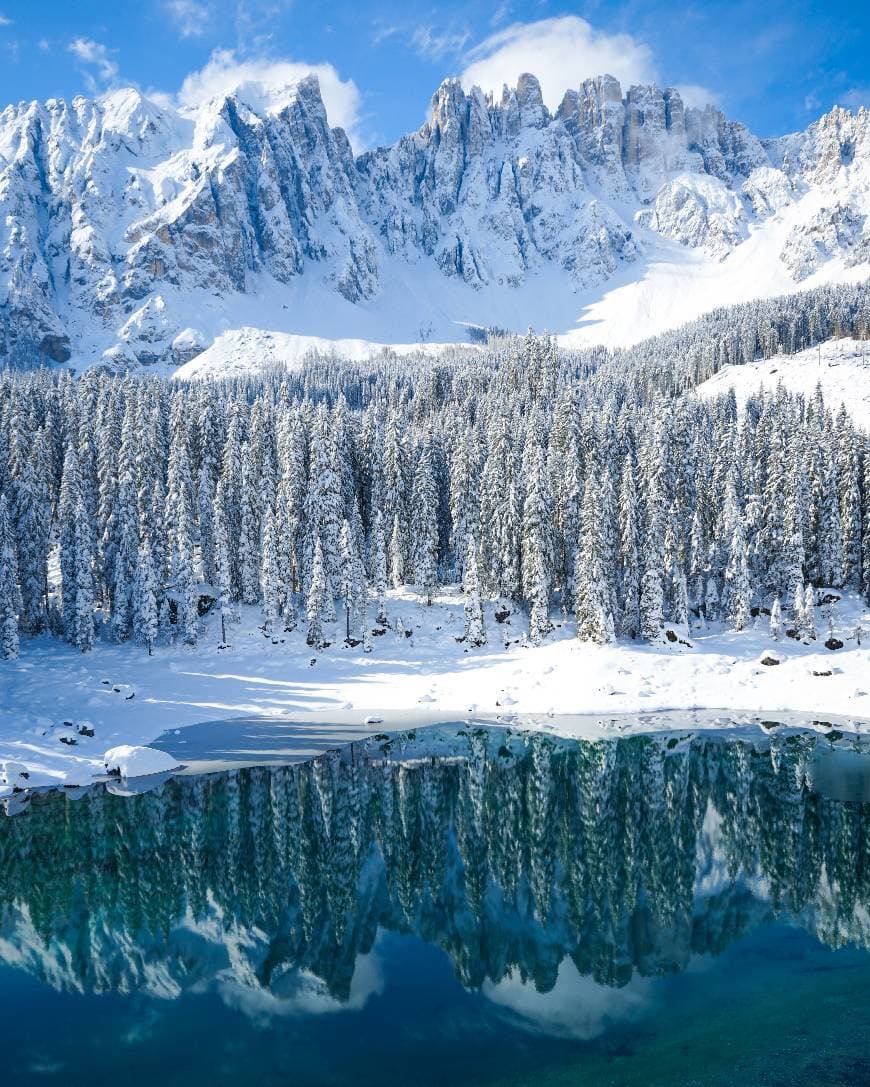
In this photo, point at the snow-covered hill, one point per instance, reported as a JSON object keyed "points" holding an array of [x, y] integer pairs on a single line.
{"points": [[133, 233], [841, 367], [243, 351]]}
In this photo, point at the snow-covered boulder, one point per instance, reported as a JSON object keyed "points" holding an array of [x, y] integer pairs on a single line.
{"points": [[14, 775], [128, 761]]}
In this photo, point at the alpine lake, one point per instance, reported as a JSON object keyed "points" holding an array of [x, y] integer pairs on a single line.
{"points": [[449, 906]]}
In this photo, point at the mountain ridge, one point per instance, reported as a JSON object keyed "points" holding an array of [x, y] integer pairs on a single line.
{"points": [[133, 233]]}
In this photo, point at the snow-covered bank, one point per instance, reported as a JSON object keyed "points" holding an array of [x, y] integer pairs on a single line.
{"points": [[53, 697]]}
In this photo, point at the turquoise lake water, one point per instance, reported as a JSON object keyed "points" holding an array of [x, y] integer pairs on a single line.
{"points": [[518, 910]]}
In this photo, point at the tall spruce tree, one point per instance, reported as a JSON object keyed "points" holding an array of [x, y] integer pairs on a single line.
{"points": [[9, 594]]}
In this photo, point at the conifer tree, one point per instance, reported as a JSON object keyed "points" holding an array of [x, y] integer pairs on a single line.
{"points": [[9, 596], [711, 600], [591, 604], [424, 521], [83, 577], [30, 522], [475, 629], [739, 589], [536, 557], [318, 602], [180, 559], [628, 551], [776, 620], [125, 519], [352, 585], [223, 568], [378, 571], [249, 531], [145, 619], [808, 624], [269, 588], [396, 555]]}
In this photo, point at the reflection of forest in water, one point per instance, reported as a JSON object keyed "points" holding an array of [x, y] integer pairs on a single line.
{"points": [[628, 856]]}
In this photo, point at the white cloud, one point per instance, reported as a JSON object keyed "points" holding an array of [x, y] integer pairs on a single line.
{"points": [[561, 52], [693, 95], [267, 81], [189, 16], [429, 43], [855, 97], [4, 21], [96, 56]]}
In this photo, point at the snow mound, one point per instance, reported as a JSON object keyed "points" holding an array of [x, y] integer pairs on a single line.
{"points": [[130, 762]]}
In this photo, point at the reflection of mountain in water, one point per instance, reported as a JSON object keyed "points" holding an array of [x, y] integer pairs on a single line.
{"points": [[628, 856]]}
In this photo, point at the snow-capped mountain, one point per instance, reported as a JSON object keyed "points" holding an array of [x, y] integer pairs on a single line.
{"points": [[132, 232]]}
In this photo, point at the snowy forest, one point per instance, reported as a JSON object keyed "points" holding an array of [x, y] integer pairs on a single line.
{"points": [[592, 482]]}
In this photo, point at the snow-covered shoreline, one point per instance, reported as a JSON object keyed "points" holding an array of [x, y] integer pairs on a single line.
{"points": [[565, 687]]}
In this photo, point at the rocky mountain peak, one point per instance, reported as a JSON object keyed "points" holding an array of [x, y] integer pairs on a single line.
{"points": [[127, 226]]}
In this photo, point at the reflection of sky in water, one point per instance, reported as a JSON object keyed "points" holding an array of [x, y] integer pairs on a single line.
{"points": [[576, 1006], [299, 992]]}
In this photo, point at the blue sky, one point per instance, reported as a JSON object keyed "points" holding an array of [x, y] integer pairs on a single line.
{"points": [[774, 65]]}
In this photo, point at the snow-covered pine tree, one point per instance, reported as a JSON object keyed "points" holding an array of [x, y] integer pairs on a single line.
{"points": [[125, 520], [179, 543], [270, 592], [145, 608], [223, 567], [82, 635], [629, 551], [711, 600], [325, 502], [9, 594], [69, 492], [464, 496], [352, 584], [475, 628], [738, 590], [591, 602], [378, 568], [396, 555], [500, 513], [249, 533], [318, 601], [679, 597], [396, 480], [776, 620], [536, 550], [808, 618], [30, 523], [424, 522], [651, 588]]}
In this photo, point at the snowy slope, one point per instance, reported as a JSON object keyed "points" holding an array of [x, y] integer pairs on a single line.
{"points": [[841, 367], [132, 233], [246, 350]]}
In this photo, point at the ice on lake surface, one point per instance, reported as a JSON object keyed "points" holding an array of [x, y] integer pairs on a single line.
{"points": [[490, 908]]}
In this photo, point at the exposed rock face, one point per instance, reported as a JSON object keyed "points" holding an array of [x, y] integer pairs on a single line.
{"points": [[114, 211]]}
